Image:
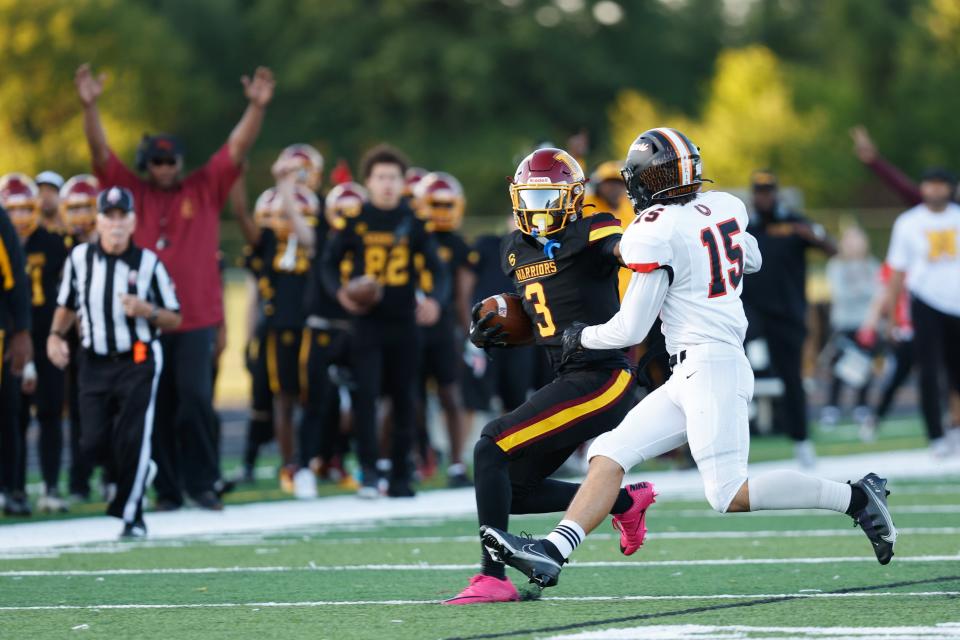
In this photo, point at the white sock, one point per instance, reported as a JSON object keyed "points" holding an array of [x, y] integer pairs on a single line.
{"points": [[566, 537], [794, 490]]}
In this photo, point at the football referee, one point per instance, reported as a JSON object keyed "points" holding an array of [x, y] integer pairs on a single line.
{"points": [[123, 297]]}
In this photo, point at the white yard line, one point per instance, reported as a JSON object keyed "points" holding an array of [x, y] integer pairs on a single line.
{"points": [[426, 566], [448, 503], [340, 603]]}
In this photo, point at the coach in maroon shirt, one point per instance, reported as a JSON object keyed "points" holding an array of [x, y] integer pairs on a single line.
{"points": [[179, 218]]}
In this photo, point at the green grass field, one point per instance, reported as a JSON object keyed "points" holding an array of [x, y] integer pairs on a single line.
{"points": [[788, 571]]}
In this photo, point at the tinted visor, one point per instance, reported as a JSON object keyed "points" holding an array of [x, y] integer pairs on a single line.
{"points": [[540, 199]]}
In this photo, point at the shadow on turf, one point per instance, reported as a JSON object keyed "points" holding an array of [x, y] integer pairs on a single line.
{"points": [[529, 595]]}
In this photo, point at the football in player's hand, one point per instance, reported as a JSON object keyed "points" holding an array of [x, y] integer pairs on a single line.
{"points": [[509, 314], [364, 291]]}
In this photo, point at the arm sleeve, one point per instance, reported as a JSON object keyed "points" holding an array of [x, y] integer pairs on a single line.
{"points": [[898, 255], [605, 234], [432, 263], [67, 294], [163, 290], [16, 289], [219, 174], [896, 179], [640, 306], [753, 260], [116, 174]]}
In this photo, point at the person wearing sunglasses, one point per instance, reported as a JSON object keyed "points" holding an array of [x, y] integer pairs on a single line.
{"points": [[178, 217]]}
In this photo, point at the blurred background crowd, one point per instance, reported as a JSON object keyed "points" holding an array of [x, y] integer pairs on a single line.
{"points": [[828, 119]]}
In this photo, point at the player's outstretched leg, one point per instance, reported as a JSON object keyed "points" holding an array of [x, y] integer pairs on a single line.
{"points": [[864, 500], [525, 554]]}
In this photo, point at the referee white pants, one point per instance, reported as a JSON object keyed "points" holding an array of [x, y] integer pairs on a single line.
{"points": [[705, 402]]}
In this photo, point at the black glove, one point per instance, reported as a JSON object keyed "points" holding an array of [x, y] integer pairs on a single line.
{"points": [[571, 340], [482, 334]]}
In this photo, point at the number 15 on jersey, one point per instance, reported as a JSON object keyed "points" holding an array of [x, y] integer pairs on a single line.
{"points": [[733, 252]]}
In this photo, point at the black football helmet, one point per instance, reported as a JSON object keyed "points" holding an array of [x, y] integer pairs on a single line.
{"points": [[661, 164]]}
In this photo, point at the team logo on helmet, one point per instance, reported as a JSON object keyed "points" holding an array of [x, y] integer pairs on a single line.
{"points": [[78, 204]]}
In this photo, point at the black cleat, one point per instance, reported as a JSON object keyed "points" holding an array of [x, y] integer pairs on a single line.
{"points": [[134, 530], [526, 555], [875, 518]]}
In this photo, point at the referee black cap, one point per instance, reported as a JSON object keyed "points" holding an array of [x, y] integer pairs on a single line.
{"points": [[115, 198], [938, 174]]}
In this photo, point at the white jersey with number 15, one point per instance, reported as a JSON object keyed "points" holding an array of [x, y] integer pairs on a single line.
{"points": [[705, 248]]}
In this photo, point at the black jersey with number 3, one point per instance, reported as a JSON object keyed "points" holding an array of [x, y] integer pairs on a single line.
{"points": [[578, 285]]}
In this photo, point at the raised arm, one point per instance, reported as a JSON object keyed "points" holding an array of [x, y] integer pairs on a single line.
{"points": [[891, 175], [89, 88], [259, 91]]}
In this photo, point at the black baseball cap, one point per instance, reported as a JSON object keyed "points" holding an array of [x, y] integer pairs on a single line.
{"points": [[154, 147], [938, 174], [763, 179], [115, 198]]}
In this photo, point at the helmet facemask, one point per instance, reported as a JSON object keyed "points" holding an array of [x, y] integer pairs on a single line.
{"points": [[544, 209]]}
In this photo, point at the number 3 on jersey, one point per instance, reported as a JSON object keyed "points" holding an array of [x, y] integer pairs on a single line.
{"points": [[734, 254], [535, 294]]}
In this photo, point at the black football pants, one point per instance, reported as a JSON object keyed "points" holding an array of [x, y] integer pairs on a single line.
{"points": [[785, 344], [118, 400], [936, 344], [385, 359]]}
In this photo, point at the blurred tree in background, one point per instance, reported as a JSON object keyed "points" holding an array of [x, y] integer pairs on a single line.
{"points": [[470, 85]]}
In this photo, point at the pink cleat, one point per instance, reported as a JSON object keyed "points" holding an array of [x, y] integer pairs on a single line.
{"points": [[631, 523], [483, 589]]}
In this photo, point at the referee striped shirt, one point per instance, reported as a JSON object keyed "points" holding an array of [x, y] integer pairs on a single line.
{"points": [[93, 285]]}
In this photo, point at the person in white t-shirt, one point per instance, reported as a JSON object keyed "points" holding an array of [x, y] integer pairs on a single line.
{"points": [[924, 255], [689, 252]]}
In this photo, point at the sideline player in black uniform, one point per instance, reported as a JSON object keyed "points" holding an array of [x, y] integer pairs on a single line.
{"points": [[15, 351], [284, 248], [323, 444], [439, 200], [78, 213], [383, 243], [43, 384], [564, 267]]}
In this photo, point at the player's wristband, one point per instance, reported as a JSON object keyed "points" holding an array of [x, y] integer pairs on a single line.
{"points": [[60, 334]]}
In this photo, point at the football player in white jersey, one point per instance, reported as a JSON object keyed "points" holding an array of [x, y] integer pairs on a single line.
{"points": [[689, 251]]}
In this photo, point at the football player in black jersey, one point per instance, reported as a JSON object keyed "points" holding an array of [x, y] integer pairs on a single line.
{"points": [[439, 200], [383, 244], [323, 442], [283, 246], [43, 383], [564, 267]]}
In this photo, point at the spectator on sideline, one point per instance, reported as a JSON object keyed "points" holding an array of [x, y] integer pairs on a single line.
{"points": [[852, 275], [179, 218], [924, 254], [16, 349], [775, 300], [120, 359]]}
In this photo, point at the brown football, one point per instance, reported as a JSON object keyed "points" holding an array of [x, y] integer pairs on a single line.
{"points": [[364, 291], [510, 315]]}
